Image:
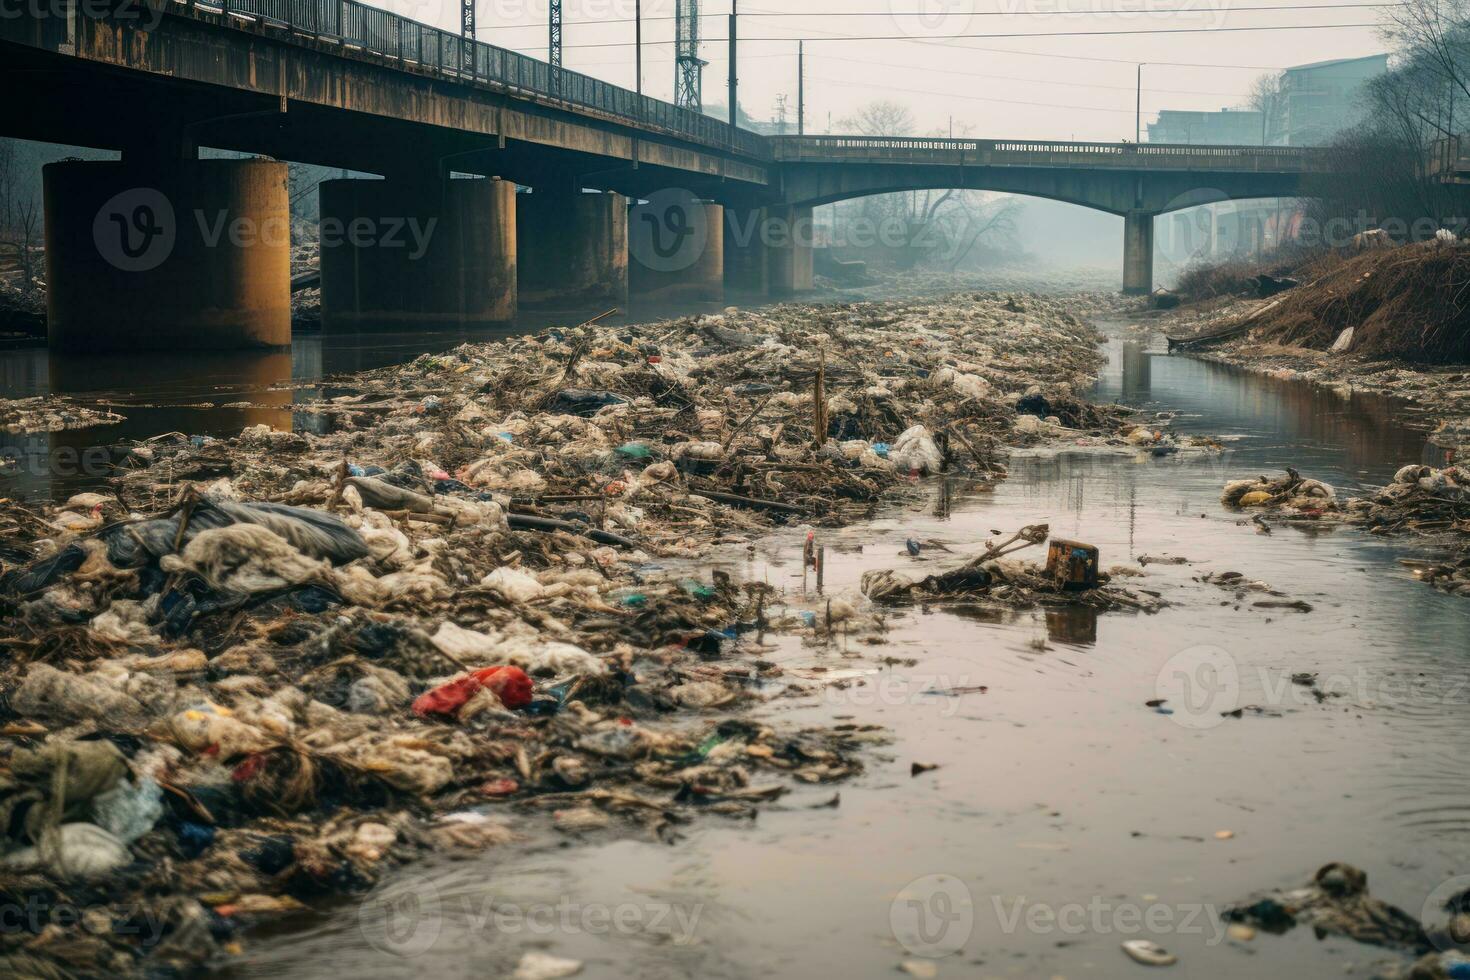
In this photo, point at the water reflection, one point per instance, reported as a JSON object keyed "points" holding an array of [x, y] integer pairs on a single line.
{"points": [[1365, 437], [1074, 625]]}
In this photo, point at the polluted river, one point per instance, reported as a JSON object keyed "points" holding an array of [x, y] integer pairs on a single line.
{"points": [[1052, 782]]}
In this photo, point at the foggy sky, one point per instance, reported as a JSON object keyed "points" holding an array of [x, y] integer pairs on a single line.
{"points": [[988, 85]]}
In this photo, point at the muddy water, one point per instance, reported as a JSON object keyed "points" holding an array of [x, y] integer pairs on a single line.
{"points": [[1064, 816]]}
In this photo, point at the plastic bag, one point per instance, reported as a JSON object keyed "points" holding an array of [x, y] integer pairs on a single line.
{"points": [[129, 810], [511, 684]]}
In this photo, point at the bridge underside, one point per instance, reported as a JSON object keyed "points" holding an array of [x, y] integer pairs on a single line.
{"points": [[116, 86], [1116, 192]]}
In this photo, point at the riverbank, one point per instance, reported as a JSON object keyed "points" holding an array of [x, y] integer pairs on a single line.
{"points": [[474, 606], [1330, 327], [1439, 393]]}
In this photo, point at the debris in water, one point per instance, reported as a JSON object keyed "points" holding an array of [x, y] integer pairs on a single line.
{"points": [[1149, 953]]}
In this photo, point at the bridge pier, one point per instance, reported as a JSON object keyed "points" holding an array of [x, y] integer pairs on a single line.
{"points": [[747, 260], [571, 248], [677, 251], [791, 242], [417, 252], [1138, 253], [167, 254]]}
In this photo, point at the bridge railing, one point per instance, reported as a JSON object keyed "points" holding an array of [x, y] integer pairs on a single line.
{"points": [[421, 47], [838, 149]]}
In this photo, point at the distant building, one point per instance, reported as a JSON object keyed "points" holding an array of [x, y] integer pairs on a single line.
{"points": [[1236, 127], [1318, 101]]}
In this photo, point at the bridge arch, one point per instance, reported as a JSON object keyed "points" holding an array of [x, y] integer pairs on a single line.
{"points": [[1136, 181]]}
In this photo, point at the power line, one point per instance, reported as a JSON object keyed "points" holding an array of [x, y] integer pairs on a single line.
{"points": [[973, 98], [898, 37], [1070, 12], [1018, 78]]}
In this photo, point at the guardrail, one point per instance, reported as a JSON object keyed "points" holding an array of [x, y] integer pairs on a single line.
{"points": [[836, 149], [360, 27]]}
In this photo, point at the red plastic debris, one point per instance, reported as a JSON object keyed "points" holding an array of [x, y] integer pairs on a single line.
{"points": [[511, 684], [252, 766], [500, 787]]}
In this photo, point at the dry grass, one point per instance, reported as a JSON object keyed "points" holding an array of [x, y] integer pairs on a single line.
{"points": [[1411, 302]]}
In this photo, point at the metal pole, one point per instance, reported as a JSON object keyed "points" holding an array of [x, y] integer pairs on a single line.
{"points": [[734, 83], [800, 88], [638, 47], [1138, 108]]}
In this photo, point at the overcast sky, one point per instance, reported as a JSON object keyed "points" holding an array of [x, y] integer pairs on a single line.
{"points": [[1078, 87]]}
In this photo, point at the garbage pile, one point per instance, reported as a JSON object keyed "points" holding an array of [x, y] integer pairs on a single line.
{"points": [[23, 302], [53, 413], [1422, 500], [1290, 495], [1431, 502], [992, 577], [1337, 903], [266, 669]]}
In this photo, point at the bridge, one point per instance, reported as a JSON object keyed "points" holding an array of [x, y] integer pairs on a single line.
{"points": [[164, 249]]}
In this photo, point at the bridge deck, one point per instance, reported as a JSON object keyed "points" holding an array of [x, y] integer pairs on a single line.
{"points": [[1036, 153]]}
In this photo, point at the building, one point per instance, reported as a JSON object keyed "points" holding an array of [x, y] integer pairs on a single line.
{"points": [[1317, 101], [1238, 127]]}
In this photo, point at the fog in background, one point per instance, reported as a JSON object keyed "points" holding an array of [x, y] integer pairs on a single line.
{"points": [[1058, 87]]}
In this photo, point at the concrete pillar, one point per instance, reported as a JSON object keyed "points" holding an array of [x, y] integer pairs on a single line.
{"points": [[571, 248], [1138, 253], [417, 253], [683, 258], [790, 249], [747, 259], [168, 255]]}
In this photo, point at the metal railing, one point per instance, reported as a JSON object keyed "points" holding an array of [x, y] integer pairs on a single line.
{"points": [[837, 149], [361, 27]]}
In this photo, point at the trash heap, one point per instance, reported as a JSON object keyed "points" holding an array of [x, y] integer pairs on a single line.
{"points": [[993, 577], [1287, 496], [23, 416], [1422, 500], [1426, 501], [456, 611]]}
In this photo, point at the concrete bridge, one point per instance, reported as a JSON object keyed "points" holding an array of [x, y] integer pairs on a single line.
{"points": [[163, 249], [1138, 181]]}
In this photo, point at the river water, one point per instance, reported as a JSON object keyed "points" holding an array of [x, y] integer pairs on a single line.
{"points": [[1065, 816]]}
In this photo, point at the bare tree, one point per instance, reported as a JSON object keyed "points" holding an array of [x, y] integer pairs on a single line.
{"points": [[985, 222], [1437, 33], [880, 118], [1266, 98], [9, 184], [28, 223]]}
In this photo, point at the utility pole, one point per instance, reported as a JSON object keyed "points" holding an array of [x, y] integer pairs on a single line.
{"points": [[800, 88], [734, 78], [638, 51], [1138, 108], [467, 31], [688, 69], [553, 46]]}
